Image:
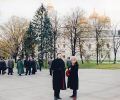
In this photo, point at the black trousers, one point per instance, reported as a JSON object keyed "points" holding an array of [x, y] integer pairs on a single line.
{"points": [[74, 92], [10, 71], [40, 67], [33, 70], [57, 93], [50, 71], [1, 71], [28, 71]]}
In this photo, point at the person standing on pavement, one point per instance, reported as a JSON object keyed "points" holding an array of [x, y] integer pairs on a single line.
{"points": [[20, 66], [58, 68], [10, 66], [41, 63], [33, 65], [49, 65], [3, 66], [27, 66], [73, 77], [68, 62]]}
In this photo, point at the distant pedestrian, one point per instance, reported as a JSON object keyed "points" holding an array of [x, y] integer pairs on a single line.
{"points": [[27, 66], [58, 68], [10, 66], [20, 66], [73, 77], [49, 65], [40, 61], [68, 62], [2, 66], [33, 65]]}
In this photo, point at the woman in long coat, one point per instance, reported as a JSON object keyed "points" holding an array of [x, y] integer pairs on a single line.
{"points": [[20, 66], [73, 77]]}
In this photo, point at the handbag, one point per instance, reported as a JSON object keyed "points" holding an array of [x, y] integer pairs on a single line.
{"points": [[68, 73]]}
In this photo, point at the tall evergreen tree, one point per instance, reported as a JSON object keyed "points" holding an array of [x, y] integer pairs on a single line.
{"points": [[30, 41], [40, 32], [47, 35], [37, 24]]}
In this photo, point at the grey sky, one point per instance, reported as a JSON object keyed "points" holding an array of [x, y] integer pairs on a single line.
{"points": [[26, 8]]}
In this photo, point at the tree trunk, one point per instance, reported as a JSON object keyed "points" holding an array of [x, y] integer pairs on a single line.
{"points": [[73, 52], [97, 49], [115, 54], [81, 58], [81, 55]]}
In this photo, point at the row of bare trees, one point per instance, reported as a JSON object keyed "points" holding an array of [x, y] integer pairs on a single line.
{"points": [[12, 33], [78, 28]]}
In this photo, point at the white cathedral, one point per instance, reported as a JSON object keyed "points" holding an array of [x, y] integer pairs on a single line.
{"points": [[63, 44]]}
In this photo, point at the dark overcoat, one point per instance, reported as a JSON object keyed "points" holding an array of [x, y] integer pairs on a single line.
{"points": [[73, 80], [27, 64], [33, 66], [58, 68], [10, 63], [3, 65]]}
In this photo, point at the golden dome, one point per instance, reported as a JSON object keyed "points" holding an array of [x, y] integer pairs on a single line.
{"points": [[50, 6], [83, 21], [94, 15], [104, 19]]}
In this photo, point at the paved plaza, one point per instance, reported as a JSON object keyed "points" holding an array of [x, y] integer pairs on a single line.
{"points": [[93, 85]]}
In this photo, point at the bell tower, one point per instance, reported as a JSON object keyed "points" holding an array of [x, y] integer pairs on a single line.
{"points": [[49, 4]]}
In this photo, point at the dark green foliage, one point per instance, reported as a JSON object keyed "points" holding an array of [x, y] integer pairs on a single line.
{"points": [[37, 23], [30, 41], [47, 34], [39, 33]]}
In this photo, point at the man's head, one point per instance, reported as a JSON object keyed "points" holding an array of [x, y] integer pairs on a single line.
{"points": [[59, 55], [31, 58]]}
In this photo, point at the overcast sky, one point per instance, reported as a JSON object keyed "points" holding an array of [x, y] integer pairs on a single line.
{"points": [[27, 8]]}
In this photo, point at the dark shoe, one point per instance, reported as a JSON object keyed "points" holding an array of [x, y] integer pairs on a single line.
{"points": [[72, 96]]}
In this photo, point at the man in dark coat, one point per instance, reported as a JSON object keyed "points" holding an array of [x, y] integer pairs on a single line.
{"points": [[49, 65], [58, 68], [2, 66], [33, 65], [10, 66], [27, 66], [40, 61]]}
